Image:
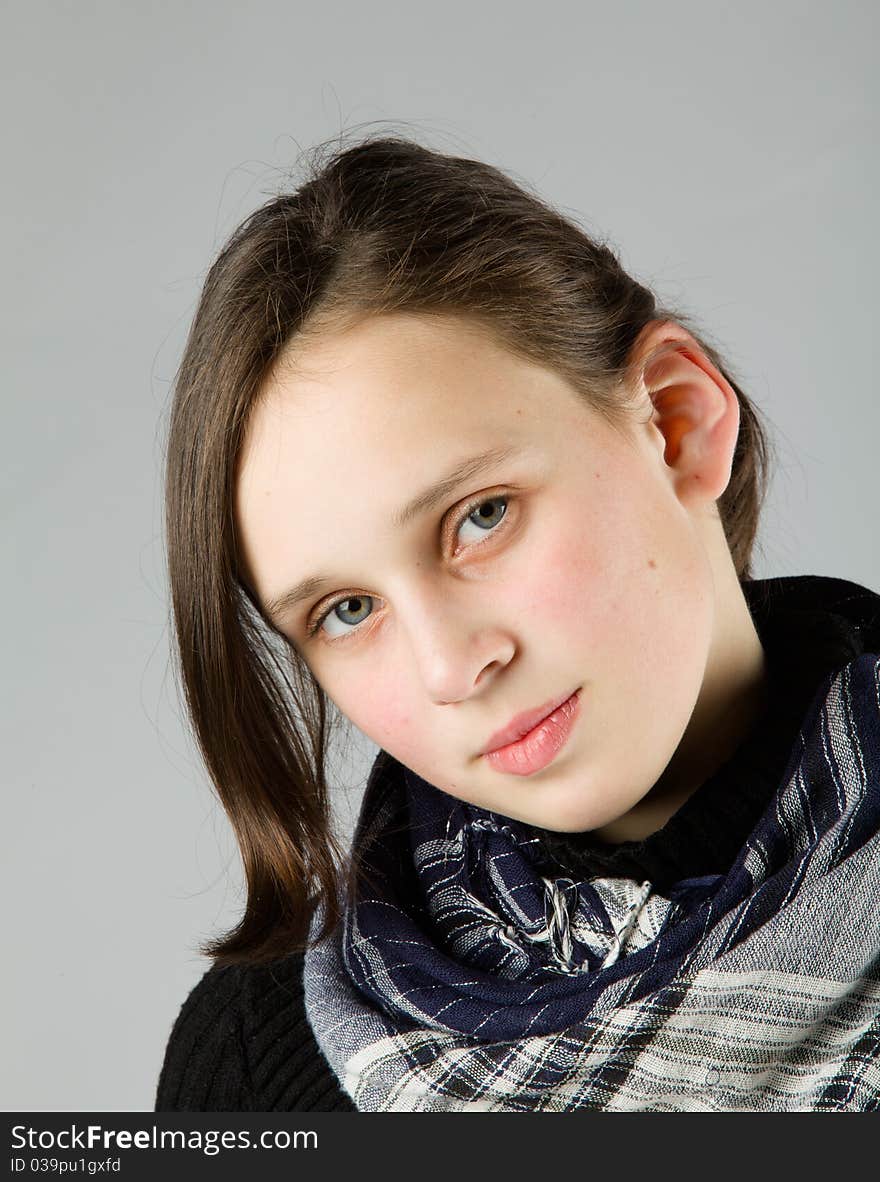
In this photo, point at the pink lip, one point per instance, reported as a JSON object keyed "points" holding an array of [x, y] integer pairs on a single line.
{"points": [[522, 723], [540, 745]]}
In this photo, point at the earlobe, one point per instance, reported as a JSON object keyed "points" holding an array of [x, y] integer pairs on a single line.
{"points": [[696, 410]]}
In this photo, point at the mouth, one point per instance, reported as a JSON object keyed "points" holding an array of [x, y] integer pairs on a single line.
{"points": [[521, 725], [535, 749]]}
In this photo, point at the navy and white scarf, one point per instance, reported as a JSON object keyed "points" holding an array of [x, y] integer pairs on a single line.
{"points": [[464, 978]]}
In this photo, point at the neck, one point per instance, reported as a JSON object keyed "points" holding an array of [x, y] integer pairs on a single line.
{"points": [[732, 698]]}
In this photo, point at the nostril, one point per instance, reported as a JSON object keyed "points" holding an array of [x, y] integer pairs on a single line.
{"points": [[486, 671]]}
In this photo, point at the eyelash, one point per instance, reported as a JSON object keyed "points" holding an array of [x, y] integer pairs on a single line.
{"points": [[315, 627]]}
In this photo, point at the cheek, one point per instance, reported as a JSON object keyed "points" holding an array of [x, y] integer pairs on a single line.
{"points": [[378, 706], [560, 582], [611, 582]]}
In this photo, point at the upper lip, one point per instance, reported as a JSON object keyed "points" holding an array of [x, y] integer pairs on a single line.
{"points": [[522, 723]]}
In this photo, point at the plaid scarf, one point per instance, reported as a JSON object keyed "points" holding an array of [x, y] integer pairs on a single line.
{"points": [[464, 977]]}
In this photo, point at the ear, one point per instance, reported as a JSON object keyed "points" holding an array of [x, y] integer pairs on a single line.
{"points": [[695, 409]]}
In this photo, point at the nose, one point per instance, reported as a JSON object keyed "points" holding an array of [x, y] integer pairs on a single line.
{"points": [[458, 645]]}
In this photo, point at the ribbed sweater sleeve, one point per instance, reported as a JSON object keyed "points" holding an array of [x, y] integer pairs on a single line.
{"points": [[242, 1043]]}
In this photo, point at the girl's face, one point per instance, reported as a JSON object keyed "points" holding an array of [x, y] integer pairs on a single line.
{"points": [[472, 544]]}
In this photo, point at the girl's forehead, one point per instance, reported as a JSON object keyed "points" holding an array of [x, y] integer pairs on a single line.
{"points": [[393, 335], [401, 386]]}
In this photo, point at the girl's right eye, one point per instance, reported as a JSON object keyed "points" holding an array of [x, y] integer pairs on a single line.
{"points": [[357, 607]]}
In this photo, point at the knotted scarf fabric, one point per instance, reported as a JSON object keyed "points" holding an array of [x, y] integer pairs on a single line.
{"points": [[464, 976]]}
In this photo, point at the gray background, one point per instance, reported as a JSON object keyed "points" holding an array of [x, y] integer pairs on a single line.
{"points": [[726, 149]]}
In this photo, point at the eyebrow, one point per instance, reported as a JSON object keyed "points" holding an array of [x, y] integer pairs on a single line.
{"points": [[426, 500]]}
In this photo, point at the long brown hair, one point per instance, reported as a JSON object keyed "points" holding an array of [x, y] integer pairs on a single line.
{"points": [[385, 225]]}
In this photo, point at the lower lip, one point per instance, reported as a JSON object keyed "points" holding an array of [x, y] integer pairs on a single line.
{"points": [[541, 745]]}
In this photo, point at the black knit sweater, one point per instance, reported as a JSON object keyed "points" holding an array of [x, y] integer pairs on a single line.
{"points": [[242, 1041]]}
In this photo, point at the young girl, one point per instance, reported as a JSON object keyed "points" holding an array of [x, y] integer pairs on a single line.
{"points": [[438, 463]]}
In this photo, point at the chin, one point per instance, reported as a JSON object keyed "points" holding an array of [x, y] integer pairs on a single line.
{"points": [[581, 816], [566, 824]]}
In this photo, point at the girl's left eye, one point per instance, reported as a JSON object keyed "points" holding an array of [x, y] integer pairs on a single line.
{"points": [[483, 516]]}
